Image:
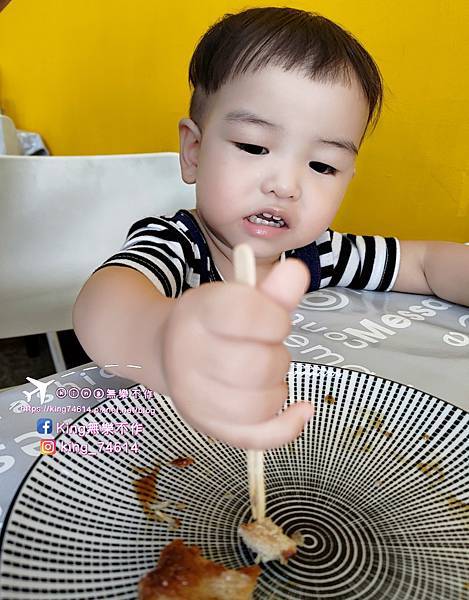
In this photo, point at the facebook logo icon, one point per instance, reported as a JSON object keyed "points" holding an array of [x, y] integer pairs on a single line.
{"points": [[44, 426]]}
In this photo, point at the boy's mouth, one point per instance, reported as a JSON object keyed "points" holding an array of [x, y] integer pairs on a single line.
{"points": [[268, 219]]}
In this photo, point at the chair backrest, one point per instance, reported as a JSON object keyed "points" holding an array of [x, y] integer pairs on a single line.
{"points": [[60, 217], [9, 143]]}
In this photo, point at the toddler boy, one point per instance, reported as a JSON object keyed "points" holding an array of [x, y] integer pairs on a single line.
{"points": [[281, 102]]}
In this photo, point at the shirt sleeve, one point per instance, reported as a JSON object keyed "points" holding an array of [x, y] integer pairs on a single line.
{"points": [[156, 249], [359, 262]]}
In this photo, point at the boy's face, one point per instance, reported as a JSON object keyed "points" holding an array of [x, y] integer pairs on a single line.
{"points": [[261, 154]]}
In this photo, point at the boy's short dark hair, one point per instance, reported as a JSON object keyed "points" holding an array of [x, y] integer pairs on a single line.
{"points": [[286, 37]]}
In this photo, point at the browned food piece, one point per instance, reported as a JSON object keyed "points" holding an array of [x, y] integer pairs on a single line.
{"points": [[183, 574], [145, 489], [268, 540], [182, 462]]}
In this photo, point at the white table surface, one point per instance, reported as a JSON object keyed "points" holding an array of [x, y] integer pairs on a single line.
{"points": [[416, 340]]}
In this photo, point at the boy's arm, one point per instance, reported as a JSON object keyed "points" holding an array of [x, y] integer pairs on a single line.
{"points": [[111, 318], [439, 268]]}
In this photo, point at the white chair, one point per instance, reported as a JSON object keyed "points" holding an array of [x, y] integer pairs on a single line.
{"points": [[9, 143], [60, 217]]}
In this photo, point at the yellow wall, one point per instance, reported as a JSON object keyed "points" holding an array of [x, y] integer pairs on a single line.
{"points": [[109, 76]]}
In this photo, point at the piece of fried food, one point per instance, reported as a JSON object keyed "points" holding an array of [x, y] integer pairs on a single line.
{"points": [[268, 540], [183, 574]]}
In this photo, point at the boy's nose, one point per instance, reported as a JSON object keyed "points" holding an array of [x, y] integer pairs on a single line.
{"points": [[284, 183]]}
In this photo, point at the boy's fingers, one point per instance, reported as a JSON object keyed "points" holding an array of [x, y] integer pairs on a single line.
{"points": [[242, 312], [276, 432], [286, 283], [246, 366]]}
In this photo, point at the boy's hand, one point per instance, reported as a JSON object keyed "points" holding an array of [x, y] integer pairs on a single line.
{"points": [[225, 362]]}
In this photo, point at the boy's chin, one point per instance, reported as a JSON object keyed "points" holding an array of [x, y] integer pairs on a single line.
{"points": [[264, 251]]}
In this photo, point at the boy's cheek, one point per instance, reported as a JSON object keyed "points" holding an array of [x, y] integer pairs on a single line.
{"points": [[222, 176]]}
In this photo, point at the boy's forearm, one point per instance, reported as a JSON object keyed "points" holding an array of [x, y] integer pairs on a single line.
{"points": [[446, 268], [118, 322]]}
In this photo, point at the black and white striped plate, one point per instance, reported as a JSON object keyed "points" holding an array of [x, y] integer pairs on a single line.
{"points": [[377, 485]]}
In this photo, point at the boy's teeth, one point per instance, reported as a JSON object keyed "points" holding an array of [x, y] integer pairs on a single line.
{"points": [[277, 222]]}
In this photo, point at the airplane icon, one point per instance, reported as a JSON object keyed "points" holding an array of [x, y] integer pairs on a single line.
{"points": [[41, 387]]}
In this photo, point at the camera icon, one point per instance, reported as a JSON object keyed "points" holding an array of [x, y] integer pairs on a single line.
{"points": [[47, 447]]}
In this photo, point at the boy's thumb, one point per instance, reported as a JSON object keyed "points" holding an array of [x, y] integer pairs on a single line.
{"points": [[286, 283]]}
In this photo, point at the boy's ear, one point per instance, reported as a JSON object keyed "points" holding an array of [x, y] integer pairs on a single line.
{"points": [[189, 146]]}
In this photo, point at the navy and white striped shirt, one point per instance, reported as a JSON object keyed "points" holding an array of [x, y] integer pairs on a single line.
{"points": [[172, 252]]}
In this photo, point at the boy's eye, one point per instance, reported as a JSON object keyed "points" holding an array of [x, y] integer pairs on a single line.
{"points": [[319, 167], [322, 168], [251, 148]]}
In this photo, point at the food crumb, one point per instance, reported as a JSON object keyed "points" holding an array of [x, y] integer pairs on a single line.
{"points": [[146, 492], [145, 489], [359, 432], [432, 468], [182, 462]]}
